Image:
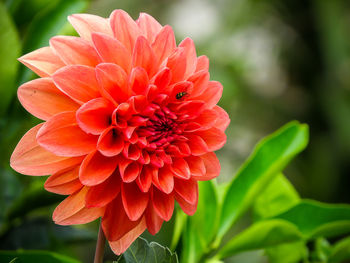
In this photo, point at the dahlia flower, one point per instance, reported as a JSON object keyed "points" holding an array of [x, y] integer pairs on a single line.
{"points": [[130, 124]]}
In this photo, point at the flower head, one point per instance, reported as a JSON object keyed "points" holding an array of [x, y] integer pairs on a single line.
{"points": [[130, 124]]}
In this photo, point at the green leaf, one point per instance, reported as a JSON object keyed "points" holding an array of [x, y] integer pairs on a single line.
{"points": [[287, 253], [48, 23], [202, 225], [143, 252], [261, 235], [315, 219], [340, 251], [34, 256], [268, 159], [9, 52], [278, 197]]}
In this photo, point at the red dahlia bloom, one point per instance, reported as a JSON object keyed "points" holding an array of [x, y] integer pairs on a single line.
{"points": [[130, 124]]}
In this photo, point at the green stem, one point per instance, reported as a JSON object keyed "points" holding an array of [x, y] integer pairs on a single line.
{"points": [[100, 246]]}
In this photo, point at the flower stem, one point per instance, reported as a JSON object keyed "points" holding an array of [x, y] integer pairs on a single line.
{"points": [[100, 246]]}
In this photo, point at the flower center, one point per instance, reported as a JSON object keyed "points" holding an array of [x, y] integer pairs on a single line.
{"points": [[162, 128]]}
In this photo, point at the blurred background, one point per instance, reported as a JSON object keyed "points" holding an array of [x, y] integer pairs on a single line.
{"points": [[278, 61]]}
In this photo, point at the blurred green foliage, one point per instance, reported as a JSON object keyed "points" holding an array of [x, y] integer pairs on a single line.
{"points": [[278, 61]]}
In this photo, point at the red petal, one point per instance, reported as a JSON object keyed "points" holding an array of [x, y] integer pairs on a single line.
{"points": [[139, 81], [73, 211], [148, 26], [124, 28], [42, 99], [177, 64], [180, 168], [110, 142], [96, 168], [212, 166], [112, 51], [187, 189], [163, 204], [64, 182], [86, 24], [164, 44], [95, 116], [113, 82], [196, 165], [78, 82], [162, 79], [123, 243], [115, 222], [165, 179], [132, 152], [144, 57], [31, 159], [144, 181], [134, 201], [61, 135], [129, 170], [214, 138], [197, 145], [188, 208], [102, 194], [74, 50], [153, 221], [42, 61]]}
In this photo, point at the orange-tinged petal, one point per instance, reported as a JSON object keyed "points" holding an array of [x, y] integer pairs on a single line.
{"points": [[64, 182], [96, 168], [129, 170], [162, 80], [78, 82], [191, 56], [124, 28], [163, 203], [110, 142], [177, 64], [200, 82], [62, 136], [74, 50], [42, 99], [188, 208], [187, 189], [165, 179], [86, 24], [112, 51], [42, 61], [211, 94], [180, 168], [212, 167], [153, 220], [144, 57], [113, 82], [115, 222], [197, 166], [148, 26], [164, 44], [119, 246], [31, 159], [72, 210], [139, 81], [202, 63], [214, 138], [102, 194], [95, 116], [223, 119], [134, 201]]}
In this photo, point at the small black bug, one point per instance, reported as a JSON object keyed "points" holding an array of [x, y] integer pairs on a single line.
{"points": [[180, 95]]}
